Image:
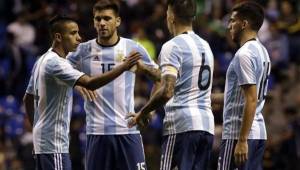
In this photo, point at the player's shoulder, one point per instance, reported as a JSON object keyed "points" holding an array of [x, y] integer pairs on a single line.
{"points": [[251, 49], [170, 44], [248, 48], [48, 56], [178, 40], [129, 41], [52, 60], [203, 42], [86, 45], [200, 41]]}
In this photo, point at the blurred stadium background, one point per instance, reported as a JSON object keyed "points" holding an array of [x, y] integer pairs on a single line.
{"points": [[24, 36]]}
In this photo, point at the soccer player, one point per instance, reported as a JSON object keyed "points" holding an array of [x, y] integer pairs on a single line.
{"points": [[186, 62], [244, 132], [110, 143], [48, 98]]}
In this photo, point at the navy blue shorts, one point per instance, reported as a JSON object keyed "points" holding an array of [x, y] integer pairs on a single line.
{"points": [[114, 152], [186, 151], [256, 150], [53, 161]]}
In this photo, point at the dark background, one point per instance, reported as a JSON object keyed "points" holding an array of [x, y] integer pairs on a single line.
{"points": [[24, 37]]}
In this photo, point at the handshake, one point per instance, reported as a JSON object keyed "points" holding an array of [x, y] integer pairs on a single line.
{"points": [[132, 61]]}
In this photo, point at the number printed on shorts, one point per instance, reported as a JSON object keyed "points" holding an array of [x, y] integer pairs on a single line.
{"points": [[141, 166]]}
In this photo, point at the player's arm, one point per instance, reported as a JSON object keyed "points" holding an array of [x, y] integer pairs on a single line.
{"points": [[217, 98], [153, 73], [162, 95], [147, 66], [159, 98], [28, 100], [95, 82], [155, 88], [241, 149]]}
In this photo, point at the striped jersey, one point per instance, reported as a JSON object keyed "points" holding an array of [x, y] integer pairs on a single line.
{"points": [[51, 83], [250, 65], [107, 115], [190, 107]]}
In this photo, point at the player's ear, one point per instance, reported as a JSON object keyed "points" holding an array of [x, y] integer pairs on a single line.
{"points": [[58, 37], [118, 21], [171, 15], [245, 24]]}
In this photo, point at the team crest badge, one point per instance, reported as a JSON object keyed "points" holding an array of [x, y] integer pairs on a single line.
{"points": [[120, 56]]}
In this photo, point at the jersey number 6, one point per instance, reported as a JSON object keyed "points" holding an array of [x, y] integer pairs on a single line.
{"points": [[204, 69]]}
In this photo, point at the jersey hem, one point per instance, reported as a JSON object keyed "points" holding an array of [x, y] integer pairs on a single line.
{"points": [[172, 133], [125, 133], [49, 152], [251, 138]]}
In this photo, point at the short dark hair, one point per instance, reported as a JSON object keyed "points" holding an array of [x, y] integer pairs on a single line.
{"points": [[107, 4], [252, 12], [184, 10], [56, 24]]}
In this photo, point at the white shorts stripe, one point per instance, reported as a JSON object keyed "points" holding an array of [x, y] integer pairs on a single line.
{"points": [[171, 153], [55, 161], [60, 162], [167, 160], [225, 155], [231, 147], [163, 167], [142, 145]]}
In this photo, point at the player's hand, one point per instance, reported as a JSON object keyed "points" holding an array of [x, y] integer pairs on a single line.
{"points": [[86, 94], [141, 65], [142, 120], [241, 152], [131, 119], [131, 59]]}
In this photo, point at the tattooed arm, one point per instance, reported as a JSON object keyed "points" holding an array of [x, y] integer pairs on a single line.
{"points": [[152, 73], [159, 98]]}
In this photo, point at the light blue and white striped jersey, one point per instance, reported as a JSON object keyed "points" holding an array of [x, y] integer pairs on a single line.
{"points": [[250, 65], [51, 83], [190, 107], [106, 115]]}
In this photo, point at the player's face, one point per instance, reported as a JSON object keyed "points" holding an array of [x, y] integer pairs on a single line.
{"points": [[235, 27], [106, 23], [170, 19], [71, 37]]}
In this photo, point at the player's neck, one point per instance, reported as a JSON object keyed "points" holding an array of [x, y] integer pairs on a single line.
{"points": [[247, 36], [58, 49], [179, 29], [111, 41]]}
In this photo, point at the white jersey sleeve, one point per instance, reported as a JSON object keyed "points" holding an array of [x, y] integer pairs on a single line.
{"points": [[63, 71], [245, 69], [169, 56]]}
